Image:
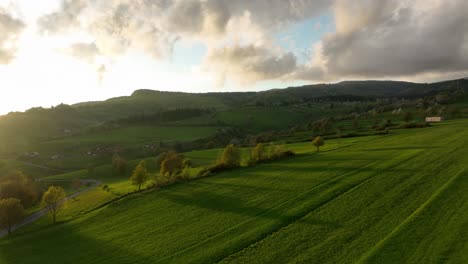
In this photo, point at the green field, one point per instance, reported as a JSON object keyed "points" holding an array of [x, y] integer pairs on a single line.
{"points": [[387, 199], [76, 152]]}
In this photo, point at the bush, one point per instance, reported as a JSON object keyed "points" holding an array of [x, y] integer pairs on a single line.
{"points": [[187, 163], [184, 176], [414, 125], [215, 168], [382, 132]]}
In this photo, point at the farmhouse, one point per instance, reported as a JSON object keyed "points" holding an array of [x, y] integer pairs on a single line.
{"points": [[433, 119]]}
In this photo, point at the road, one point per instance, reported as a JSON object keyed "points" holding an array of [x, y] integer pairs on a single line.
{"points": [[37, 215]]}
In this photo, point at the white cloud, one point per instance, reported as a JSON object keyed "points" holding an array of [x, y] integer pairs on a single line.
{"points": [[248, 64], [10, 29], [373, 39]]}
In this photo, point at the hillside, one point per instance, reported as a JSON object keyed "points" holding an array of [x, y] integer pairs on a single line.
{"points": [[67, 138], [376, 200], [148, 102]]}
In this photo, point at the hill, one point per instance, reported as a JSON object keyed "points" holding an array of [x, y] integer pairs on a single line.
{"points": [[71, 137]]}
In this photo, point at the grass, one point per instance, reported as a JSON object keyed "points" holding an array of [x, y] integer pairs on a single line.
{"points": [[361, 199], [96, 148]]}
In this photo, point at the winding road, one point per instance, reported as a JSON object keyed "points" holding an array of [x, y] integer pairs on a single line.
{"points": [[37, 215]]}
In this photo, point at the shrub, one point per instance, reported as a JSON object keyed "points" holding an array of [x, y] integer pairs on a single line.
{"points": [[414, 125], [187, 163], [185, 175]]}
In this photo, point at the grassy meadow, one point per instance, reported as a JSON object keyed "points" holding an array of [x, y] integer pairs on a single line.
{"points": [[401, 197]]}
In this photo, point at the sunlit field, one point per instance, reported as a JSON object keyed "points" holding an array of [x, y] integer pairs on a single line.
{"points": [[368, 200]]}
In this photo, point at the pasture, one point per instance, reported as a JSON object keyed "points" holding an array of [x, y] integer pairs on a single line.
{"points": [[359, 200]]}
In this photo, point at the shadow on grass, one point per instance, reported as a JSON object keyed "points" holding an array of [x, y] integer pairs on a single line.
{"points": [[64, 244]]}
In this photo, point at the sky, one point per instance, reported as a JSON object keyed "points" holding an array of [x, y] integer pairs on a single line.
{"points": [[69, 51]]}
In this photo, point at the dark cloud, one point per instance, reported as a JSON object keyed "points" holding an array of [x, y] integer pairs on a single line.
{"points": [[10, 28], [186, 16], [393, 38]]}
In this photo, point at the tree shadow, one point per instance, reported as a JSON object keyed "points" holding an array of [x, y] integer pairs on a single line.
{"points": [[64, 244]]}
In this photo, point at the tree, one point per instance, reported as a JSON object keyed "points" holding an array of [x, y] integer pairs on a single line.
{"points": [[119, 164], [54, 200], [160, 158], [231, 157], [318, 142], [11, 213], [140, 175], [172, 165], [18, 185], [258, 153]]}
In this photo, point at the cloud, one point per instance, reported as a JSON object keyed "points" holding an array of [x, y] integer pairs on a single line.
{"points": [[65, 18], [373, 39], [248, 64], [83, 51], [387, 39], [10, 29], [153, 26]]}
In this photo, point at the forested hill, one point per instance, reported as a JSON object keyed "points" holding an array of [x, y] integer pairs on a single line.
{"points": [[151, 101], [44, 123]]}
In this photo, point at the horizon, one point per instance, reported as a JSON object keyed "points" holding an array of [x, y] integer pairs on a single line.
{"points": [[206, 92], [72, 51]]}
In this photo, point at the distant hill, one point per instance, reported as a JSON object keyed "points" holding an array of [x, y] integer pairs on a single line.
{"points": [[21, 128]]}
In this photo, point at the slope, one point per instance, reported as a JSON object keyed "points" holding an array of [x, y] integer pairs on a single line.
{"points": [[333, 206]]}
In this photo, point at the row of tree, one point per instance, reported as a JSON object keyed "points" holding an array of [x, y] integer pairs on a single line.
{"points": [[172, 167], [175, 167]]}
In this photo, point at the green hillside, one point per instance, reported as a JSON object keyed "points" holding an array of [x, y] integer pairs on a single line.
{"points": [[368, 201]]}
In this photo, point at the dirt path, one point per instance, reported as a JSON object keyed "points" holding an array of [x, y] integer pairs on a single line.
{"points": [[37, 215]]}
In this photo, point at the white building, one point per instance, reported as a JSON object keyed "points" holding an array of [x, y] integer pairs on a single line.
{"points": [[433, 119]]}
